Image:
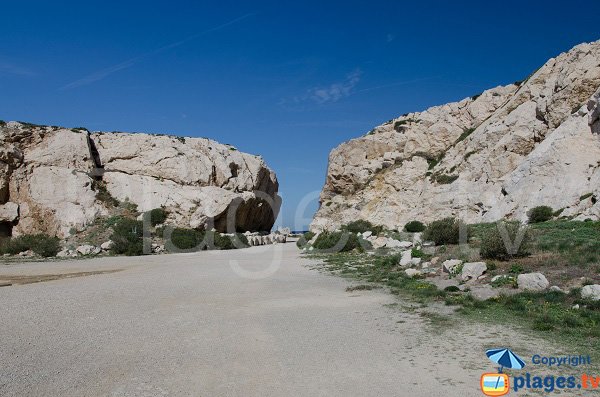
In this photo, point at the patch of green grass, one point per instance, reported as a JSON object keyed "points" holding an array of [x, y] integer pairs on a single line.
{"points": [[585, 196]]}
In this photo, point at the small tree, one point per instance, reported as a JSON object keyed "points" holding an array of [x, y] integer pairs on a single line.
{"points": [[540, 214]]}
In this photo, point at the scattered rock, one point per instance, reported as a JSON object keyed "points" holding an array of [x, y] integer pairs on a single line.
{"points": [[406, 259], [415, 261], [532, 282], [435, 260], [107, 245], [417, 239], [367, 234], [412, 272], [555, 288], [450, 265], [591, 292], [473, 270], [87, 249], [27, 253]]}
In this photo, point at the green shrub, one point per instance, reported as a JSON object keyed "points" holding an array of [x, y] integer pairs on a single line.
{"points": [[540, 214], [361, 226], [512, 234], [444, 179], [340, 241], [414, 227], [304, 239], [185, 239], [157, 216], [127, 237], [445, 231], [41, 244]]}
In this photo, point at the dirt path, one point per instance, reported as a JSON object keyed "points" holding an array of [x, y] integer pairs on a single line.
{"points": [[253, 322]]}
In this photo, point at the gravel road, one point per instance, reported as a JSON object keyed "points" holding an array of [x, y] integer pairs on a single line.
{"points": [[252, 322]]}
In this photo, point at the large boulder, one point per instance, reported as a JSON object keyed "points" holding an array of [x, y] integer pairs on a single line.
{"points": [[484, 158], [591, 292], [532, 282]]}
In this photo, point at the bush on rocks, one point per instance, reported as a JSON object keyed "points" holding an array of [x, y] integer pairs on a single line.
{"points": [[341, 242], [127, 237], [414, 227], [513, 235], [445, 231], [157, 216], [41, 244], [361, 226], [540, 214], [304, 239]]}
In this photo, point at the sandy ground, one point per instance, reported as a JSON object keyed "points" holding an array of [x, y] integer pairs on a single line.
{"points": [[252, 322]]}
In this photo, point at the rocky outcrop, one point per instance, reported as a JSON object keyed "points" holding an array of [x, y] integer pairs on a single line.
{"points": [[490, 156], [57, 181]]}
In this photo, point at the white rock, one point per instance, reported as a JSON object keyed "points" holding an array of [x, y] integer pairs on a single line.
{"points": [[87, 249], [417, 239], [520, 138], [398, 244], [9, 212], [412, 272], [107, 245], [555, 288], [473, 270], [27, 253], [406, 259], [64, 253], [415, 261], [591, 292], [367, 234], [379, 242], [532, 282], [450, 265]]}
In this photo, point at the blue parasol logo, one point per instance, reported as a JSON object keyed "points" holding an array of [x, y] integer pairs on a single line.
{"points": [[505, 358]]}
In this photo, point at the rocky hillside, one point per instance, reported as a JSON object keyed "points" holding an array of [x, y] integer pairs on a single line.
{"points": [[57, 181], [493, 155]]}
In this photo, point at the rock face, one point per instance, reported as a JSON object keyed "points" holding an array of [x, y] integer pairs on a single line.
{"points": [[55, 180], [490, 156]]}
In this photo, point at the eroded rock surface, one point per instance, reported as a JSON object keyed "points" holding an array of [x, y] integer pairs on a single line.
{"points": [[55, 180], [490, 156]]}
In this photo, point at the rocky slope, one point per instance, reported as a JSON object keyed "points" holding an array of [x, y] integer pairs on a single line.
{"points": [[490, 156], [57, 181]]}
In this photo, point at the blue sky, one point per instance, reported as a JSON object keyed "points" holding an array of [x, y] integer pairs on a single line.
{"points": [[287, 81]]}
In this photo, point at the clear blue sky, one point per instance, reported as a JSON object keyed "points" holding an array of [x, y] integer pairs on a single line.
{"points": [[287, 81]]}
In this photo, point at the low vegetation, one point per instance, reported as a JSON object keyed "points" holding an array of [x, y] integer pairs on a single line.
{"points": [[414, 227], [127, 237], [304, 239], [565, 251], [539, 214], [41, 244], [507, 240], [445, 231], [362, 226], [340, 242], [157, 216]]}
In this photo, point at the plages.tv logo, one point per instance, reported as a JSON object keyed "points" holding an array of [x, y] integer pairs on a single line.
{"points": [[498, 384]]}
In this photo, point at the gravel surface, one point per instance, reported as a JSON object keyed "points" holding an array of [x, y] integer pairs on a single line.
{"points": [[252, 322]]}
